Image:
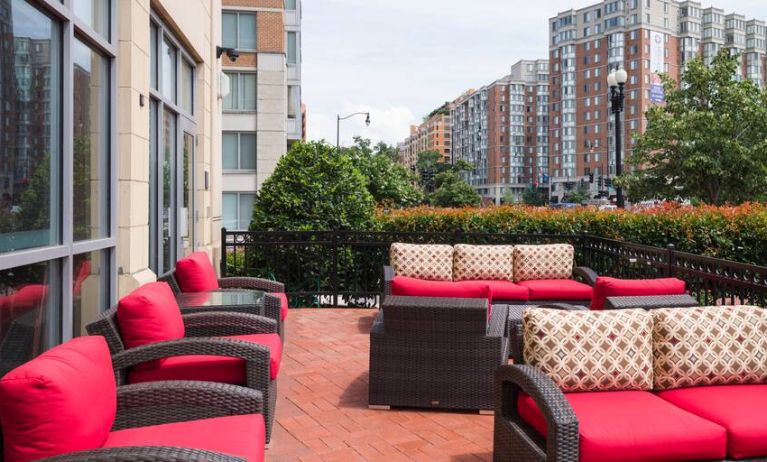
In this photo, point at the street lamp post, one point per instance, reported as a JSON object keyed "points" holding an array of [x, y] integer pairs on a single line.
{"points": [[617, 82], [338, 124]]}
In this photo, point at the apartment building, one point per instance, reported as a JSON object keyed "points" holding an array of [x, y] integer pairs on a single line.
{"points": [[262, 110], [502, 130], [646, 37], [109, 123], [434, 134]]}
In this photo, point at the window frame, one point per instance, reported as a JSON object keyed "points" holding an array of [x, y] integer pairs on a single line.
{"points": [[238, 195], [239, 168], [237, 14], [239, 109]]}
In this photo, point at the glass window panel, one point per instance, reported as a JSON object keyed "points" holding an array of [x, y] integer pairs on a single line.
{"points": [[169, 190], [248, 84], [229, 151], [292, 47], [30, 140], [246, 209], [153, 188], [187, 87], [290, 4], [94, 13], [247, 32], [153, 55], [231, 99], [229, 30], [30, 316], [90, 289], [187, 211], [91, 154], [292, 98], [247, 151], [230, 211], [168, 57]]}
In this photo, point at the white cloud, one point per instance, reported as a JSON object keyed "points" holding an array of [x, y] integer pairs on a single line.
{"points": [[389, 124]]}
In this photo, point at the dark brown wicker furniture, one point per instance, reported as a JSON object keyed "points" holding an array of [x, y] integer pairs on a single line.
{"points": [[201, 332], [650, 302], [436, 353]]}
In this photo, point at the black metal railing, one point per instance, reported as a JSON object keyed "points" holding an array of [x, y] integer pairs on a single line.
{"points": [[344, 268]]}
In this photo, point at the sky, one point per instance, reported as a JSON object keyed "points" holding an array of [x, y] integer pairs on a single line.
{"points": [[400, 59]]}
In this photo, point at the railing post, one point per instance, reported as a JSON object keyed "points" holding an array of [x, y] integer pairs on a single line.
{"points": [[334, 266], [222, 263], [671, 260]]}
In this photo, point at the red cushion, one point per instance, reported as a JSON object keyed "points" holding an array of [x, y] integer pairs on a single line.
{"points": [[284, 308], [740, 409], [82, 275], [62, 401], [29, 297], [149, 314], [557, 289], [240, 435], [195, 273], [402, 285], [634, 426], [613, 287], [506, 290], [221, 369]]}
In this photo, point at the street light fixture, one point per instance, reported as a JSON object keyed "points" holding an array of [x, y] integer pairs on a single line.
{"points": [[338, 124], [617, 82]]}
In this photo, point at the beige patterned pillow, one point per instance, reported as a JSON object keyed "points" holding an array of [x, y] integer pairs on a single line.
{"points": [[483, 262], [433, 262], [552, 261], [590, 350], [712, 345]]}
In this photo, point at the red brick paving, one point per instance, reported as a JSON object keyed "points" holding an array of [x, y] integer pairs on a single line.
{"points": [[322, 412]]}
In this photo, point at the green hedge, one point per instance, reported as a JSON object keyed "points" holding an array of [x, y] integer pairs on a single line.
{"points": [[733, 233]]}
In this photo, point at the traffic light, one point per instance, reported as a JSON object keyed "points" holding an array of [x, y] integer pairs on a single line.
{"points": [[608, 182], [591, 178], [601, 181]]}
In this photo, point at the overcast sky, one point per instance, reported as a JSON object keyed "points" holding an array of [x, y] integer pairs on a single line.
{"points": [[399, 59]]}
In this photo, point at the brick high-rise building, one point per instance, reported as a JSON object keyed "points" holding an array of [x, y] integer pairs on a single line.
{"points": [[434, 134], [502, 130]]}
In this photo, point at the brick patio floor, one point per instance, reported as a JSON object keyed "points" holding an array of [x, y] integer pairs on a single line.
{"points": [[322, 412]]}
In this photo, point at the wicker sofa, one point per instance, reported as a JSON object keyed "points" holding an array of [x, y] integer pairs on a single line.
{"points": [[706, 400], [514, 275], [65, 406]]}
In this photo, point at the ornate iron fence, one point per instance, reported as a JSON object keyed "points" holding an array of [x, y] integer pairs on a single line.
{"points": [[344, 268]]}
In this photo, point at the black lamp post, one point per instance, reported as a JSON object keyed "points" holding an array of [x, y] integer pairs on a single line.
{"points": [[617, 81], [338, 125]]}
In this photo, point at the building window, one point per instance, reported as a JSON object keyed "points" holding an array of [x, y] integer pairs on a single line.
{"points": [[238, 151], [290, 4], [294, 102], [238, 30], [292, 47], [242, 92], [238, 210]]}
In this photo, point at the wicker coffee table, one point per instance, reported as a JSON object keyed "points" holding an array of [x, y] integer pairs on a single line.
{"points": [[650, 302]]}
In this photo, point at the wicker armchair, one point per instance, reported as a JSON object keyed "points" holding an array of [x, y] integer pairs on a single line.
{"points": [[201, 332], [157, 403], [436, 353]]}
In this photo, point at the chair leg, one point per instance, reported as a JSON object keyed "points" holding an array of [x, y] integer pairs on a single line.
{"points": [[377, 407]]}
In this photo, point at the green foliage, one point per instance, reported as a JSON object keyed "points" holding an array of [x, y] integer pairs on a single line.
{"points": [[452, 191], [534, 196], [314, 187], [708, 143], [579, 196]]}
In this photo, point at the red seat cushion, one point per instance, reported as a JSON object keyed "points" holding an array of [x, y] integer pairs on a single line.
{"points": [[62, 401], [221, 369], [557, 289], [403, 285], [740, 409], [634, 426], [284, 308], [30, 296], [506, 290], [149, 314], [613, 287], [240, 435], [195, 273]]}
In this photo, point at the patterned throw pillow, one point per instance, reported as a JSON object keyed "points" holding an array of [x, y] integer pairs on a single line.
{"points": [[536, 262], [713, 345], [591, 350], [433, 262], [483, 262]]}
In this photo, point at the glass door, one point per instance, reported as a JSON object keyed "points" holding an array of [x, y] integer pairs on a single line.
{"points": [[188, 212]]}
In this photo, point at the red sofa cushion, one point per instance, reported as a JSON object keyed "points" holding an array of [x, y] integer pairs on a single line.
{"points": [[505, 290], [62, 401], [613, 287], [403, 285], [634, 426], [221, 369], [740, 409], [284, 307], [557, 289], [240, 435], [195, 273], [30, 296], [149, 314]]}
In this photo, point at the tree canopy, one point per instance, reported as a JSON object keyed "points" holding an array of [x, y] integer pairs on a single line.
{"points": [[450, 190]]}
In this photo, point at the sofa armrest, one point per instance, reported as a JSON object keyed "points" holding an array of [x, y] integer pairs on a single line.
{"points": [[588, 275], [222, 324], [388, 276], [241, 282], [499, 318], [154, 403], [144, 454], [562, 441]]}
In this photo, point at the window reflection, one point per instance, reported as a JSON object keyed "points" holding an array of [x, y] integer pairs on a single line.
{"points": [[89, 289]]}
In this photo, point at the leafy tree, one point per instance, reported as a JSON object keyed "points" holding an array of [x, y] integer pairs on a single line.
{"points": [[579, 196], [709, 141], [452, 191], [314, 187], [533, 196]]}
